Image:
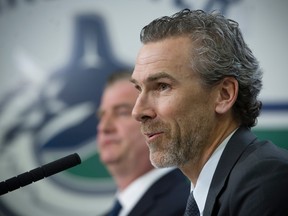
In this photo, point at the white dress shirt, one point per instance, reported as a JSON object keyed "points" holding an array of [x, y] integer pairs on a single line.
{"points": [[200, 191]]}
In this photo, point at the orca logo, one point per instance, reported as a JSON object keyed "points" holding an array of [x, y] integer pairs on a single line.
{"points": [[58, 117]]}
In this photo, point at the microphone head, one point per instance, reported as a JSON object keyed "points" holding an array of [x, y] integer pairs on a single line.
{"points": [[39, 173], [61, 164]]}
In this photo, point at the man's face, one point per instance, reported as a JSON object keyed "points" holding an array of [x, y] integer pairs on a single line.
{"points": [[175, 111], [120, 141]]}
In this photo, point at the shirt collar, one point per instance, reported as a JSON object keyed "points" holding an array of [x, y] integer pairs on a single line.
{"points": [[200, 191]]}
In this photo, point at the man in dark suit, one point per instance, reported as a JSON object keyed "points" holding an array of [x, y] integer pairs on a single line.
{"points": [[198, 85], [142, 189], [251, 178]]}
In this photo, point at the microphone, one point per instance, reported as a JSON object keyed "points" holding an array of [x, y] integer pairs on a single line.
{"points": [[39, 173]]}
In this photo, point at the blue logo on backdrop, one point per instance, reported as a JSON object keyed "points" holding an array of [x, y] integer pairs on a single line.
{"points": [[61, 120]]}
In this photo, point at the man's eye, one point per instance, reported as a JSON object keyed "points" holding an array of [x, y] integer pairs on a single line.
{"points": [[123, 112], [138, 88], [163, 86]]}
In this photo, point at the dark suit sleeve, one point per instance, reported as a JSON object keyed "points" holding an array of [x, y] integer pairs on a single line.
{"points": [[258, 185], [263, 191]]}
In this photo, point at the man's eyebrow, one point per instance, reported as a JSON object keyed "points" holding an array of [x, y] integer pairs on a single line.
{"points": [[99, 112], [156, 77], [160, 75], [133, 81], [123, 105]]}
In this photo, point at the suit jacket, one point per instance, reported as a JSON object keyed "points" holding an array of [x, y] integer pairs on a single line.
{"points": [[251, 178], [166, 197]]}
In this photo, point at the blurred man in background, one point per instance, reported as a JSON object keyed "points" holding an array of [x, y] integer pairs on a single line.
{"points": [[142, 189]]}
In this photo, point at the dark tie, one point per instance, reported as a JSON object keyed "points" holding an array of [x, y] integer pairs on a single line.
{"points": [[191, 207], [116, 209]]}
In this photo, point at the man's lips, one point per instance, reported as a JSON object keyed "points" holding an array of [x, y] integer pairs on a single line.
{"points": [[110, 141], [151, 136]]}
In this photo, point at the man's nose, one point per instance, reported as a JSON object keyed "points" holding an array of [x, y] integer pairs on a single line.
{"points": [[105, 124], [143, 109]]}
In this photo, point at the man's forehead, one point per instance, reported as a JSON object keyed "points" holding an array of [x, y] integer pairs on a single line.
{"points": [[153, 53], [165, 48]]}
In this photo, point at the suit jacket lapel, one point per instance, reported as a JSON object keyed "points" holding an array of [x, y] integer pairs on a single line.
{"points": [[159, 188], [235, 147]]}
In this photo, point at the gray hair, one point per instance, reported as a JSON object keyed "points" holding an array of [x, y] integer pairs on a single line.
{"points": [[220, 52]]}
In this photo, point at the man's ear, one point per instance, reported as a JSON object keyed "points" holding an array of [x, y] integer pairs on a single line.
{"points": [[226, 95]]}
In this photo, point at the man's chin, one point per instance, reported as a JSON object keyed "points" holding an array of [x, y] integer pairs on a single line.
{"points": [[159, 161], [108, 160]]}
